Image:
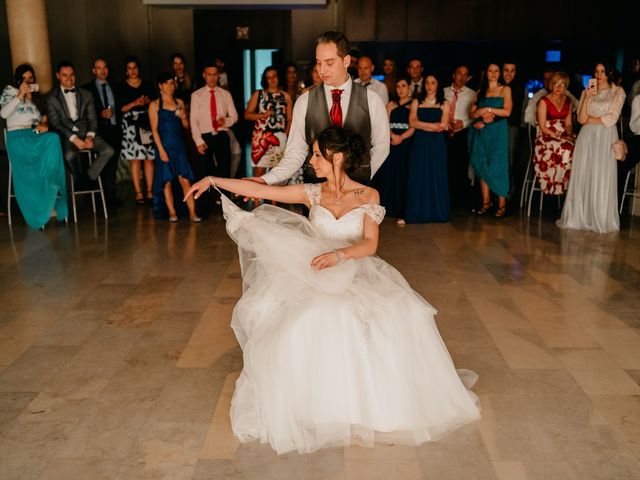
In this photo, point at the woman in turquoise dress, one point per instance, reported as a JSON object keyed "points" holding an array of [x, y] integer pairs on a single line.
{"points": [[172, 173], [37, 166], [428, 189], [395, 168], [489, 140]]}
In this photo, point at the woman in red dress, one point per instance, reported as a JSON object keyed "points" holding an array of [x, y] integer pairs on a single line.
{"points": [[555, 140]]}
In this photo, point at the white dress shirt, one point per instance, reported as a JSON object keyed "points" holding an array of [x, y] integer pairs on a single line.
{"points": [[378, 87], [531, 112], [70, 100], [634, 122], [466, 98], [200, 116], [297, 147]]}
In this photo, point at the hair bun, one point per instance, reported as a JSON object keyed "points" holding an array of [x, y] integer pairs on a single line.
{"points": [[356, 149]]}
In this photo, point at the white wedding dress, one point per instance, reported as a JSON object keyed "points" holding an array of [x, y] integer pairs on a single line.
{"points": [[342, 356]]}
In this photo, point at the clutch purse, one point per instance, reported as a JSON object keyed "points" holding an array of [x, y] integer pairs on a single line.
{"points": [[620, 150]]}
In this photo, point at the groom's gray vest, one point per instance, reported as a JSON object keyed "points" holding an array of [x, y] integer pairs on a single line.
{"points": [[357, 120]]}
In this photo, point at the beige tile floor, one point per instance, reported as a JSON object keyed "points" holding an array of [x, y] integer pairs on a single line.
{"points": [[117, 360]]}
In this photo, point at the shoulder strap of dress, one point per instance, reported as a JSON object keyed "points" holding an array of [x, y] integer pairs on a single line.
{"points": [[313, 192], [376, 212]]}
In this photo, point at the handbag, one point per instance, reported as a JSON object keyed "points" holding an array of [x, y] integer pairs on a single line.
{"points": [[144, 136], [620, 150]]}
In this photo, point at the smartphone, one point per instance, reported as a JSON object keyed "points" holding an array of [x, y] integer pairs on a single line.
{"points": [[34, 87], [592, 86]]}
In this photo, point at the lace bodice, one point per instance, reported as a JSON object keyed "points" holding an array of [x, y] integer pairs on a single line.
{"points": [[607, 105], [349, 227]]}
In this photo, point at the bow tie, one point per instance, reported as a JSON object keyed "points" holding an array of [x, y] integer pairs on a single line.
{"points": [[70, 90]]}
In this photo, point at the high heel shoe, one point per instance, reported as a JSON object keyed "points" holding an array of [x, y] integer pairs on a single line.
{"points": [[484, 209], [501, 212], [139, 198]]}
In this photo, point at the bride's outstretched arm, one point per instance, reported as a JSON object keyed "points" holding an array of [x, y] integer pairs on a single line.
{"points": [[247, 188]]}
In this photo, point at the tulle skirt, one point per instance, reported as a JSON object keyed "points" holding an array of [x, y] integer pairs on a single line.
{"points": [[347, 355], [592, 196]]}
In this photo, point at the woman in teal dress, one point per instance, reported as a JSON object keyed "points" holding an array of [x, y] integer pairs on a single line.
{"points": [[37, 167], [489, 140], [428, 189]]}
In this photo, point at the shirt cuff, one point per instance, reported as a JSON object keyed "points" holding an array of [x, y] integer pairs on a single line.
{"points": [[73, 137], [91, 134], [269, 178]]}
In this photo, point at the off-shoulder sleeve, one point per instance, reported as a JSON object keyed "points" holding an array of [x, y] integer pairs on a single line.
{"points": [[376, 212], [612, 116], [313, 192]]}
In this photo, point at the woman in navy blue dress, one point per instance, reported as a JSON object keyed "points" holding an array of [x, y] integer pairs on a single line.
{"points": [[168, 117], [428, 190], [395, 168]]}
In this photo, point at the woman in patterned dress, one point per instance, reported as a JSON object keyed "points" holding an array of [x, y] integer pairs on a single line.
{"points": [[555, 140], [271, 110], [134, 95]]}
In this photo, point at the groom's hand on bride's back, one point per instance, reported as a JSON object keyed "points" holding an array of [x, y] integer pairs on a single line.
{"points": [[253, 179]]}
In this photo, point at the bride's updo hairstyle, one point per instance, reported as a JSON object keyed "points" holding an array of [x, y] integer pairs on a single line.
{"points": [[340, 140]]}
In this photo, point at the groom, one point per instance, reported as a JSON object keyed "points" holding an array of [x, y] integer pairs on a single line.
{"points": [[337, 101]]}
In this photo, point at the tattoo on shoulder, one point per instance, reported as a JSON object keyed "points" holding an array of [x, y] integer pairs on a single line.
{"points": [[359, 192]]}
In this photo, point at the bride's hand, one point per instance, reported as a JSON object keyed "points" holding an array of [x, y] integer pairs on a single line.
{"points": [[326, 260], [198, 189]]}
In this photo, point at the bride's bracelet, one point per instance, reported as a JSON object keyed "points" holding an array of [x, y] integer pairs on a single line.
{"points": [[213, 184], [339, 254]]}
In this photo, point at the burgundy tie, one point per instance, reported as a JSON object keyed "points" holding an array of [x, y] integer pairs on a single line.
{"points": [[336, 108], [214, 110]]}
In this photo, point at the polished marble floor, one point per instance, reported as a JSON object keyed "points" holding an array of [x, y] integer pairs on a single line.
{"points": [[117, 360]]}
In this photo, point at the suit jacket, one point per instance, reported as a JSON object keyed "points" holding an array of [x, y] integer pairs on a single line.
{"points": [[103, 123], [58, 114]]}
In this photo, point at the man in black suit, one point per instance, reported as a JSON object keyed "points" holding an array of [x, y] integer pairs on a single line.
{"points": [[109, 127], [73, 116]]}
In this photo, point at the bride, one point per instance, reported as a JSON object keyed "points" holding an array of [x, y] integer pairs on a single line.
{"points": [[337, 347]]}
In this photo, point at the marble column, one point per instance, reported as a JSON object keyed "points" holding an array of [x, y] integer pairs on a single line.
{"points": [[29, 38]]}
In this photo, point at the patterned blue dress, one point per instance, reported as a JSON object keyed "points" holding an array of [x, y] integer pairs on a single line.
{"points": [[395, 168], [489, 149]]}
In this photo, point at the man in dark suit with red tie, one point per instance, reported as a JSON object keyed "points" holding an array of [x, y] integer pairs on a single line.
{"points": [[109, 123], [73, 116]]}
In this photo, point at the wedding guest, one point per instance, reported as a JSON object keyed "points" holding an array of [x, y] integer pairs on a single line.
{"points": [[489, 140], [390, 74], [271, 111], [353, 64], [313, 78], [168, 116], [517, 160], [340, 102], [72, 115], [633, 143], [460, 98], [37, 168], [291, 76], [555, 141], [428, 189], [415, 71], [395, 168], [592, 198], [183, 81], [212, 115], [223, 78], [109, 124], [530, 112], [365, 77], [134, 95]]}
